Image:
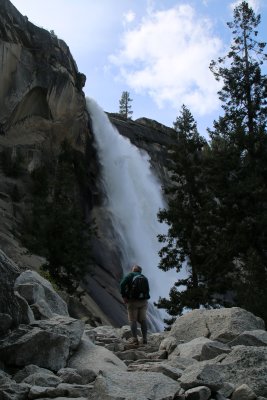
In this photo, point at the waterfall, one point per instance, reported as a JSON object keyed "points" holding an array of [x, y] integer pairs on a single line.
{"points": [[134, 198]]}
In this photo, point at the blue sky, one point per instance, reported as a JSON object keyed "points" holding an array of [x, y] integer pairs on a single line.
{"points": [[157, 50]]}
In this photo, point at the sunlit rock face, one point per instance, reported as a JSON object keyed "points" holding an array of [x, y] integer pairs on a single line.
{"points": [[40, 83], [41, 104]]}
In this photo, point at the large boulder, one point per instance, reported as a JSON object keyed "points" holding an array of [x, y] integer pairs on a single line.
{"points": [[245, 365], [135, 386], [30, 370], [71, 375], [42, 379], [10, 390], [31, 345], [244, 392], [37, 290], [9, 305], [250, 338], [213, 349], [222, 324], [88, 356], [201, 375], [198, 393], [13, 308], [63, 391], [63, 325], [192, 349], [26, 314]]}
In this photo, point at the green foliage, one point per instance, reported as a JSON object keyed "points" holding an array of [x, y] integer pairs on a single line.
{"points": [[56, 227], [240, 140], [125, 106], [52, 33], [188, 203], [244, 87], [217, 208], [46, 275]]}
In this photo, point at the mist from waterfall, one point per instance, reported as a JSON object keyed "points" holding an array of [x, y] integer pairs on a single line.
{"points": [[133, 199]]}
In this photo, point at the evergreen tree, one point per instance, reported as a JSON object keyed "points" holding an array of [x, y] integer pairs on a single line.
{"points": [[244, 90], [125, 106], [185, 243], [217, 213], [239, 137], [55, 227], [67, 234]]}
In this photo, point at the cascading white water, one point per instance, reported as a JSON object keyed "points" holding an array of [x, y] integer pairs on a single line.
{"points": [[134, 199]]}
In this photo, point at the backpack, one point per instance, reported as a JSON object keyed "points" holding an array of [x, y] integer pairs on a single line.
{"points": [[139, 288]]}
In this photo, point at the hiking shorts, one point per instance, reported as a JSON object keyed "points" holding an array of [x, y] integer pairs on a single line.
{"points": [[137, 310]]}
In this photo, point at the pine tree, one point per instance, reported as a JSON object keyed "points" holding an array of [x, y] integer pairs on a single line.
{"points": [[244, 88], [185, 241], [67, 234], [239, 137], [125, 106], [55, 227], [223, 206]]}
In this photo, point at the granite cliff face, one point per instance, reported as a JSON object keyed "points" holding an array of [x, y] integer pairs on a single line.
{"points": [[40, 82], [150, 136], [41, 105], [41, 100]]}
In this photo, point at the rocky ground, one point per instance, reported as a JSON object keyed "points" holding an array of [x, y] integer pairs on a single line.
{"points": [[46, 354]]}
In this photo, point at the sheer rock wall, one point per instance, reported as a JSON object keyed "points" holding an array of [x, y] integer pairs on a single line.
{"points": [[42, 104]]}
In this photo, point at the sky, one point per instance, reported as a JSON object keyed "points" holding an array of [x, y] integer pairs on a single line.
{"points": [[157, 50]]}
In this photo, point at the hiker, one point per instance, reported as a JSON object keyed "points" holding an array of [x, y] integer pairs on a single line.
{"points": [[135, 293]]}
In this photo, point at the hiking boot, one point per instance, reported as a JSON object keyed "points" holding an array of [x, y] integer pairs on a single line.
{"points": [[133, 340], [144, 341]]}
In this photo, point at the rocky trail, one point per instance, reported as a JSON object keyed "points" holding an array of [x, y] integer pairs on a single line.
{"points": [[46, 354]]}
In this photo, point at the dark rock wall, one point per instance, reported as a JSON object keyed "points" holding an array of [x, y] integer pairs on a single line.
{"points": [[150, 136], [41, 105], [9, 306]]}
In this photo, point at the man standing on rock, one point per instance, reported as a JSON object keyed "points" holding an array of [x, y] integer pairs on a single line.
{"points": [[135, 293]]}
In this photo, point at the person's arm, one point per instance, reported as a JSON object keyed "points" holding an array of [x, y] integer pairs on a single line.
{"points": [[148, 291], [124, 287]]}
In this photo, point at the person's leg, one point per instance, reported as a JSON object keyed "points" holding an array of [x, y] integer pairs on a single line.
{"points": [[133, 326], [144, 330], [142, 320], [132, 316]]}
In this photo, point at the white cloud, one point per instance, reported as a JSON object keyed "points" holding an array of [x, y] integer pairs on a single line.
{"points": [[168, 56], [129, 16]]}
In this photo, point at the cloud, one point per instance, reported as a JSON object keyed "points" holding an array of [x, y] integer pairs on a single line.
{"points": [[168, 55], [129, 16]]}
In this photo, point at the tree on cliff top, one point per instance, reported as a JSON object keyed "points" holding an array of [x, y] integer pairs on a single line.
{"points": [[125, 106]]}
